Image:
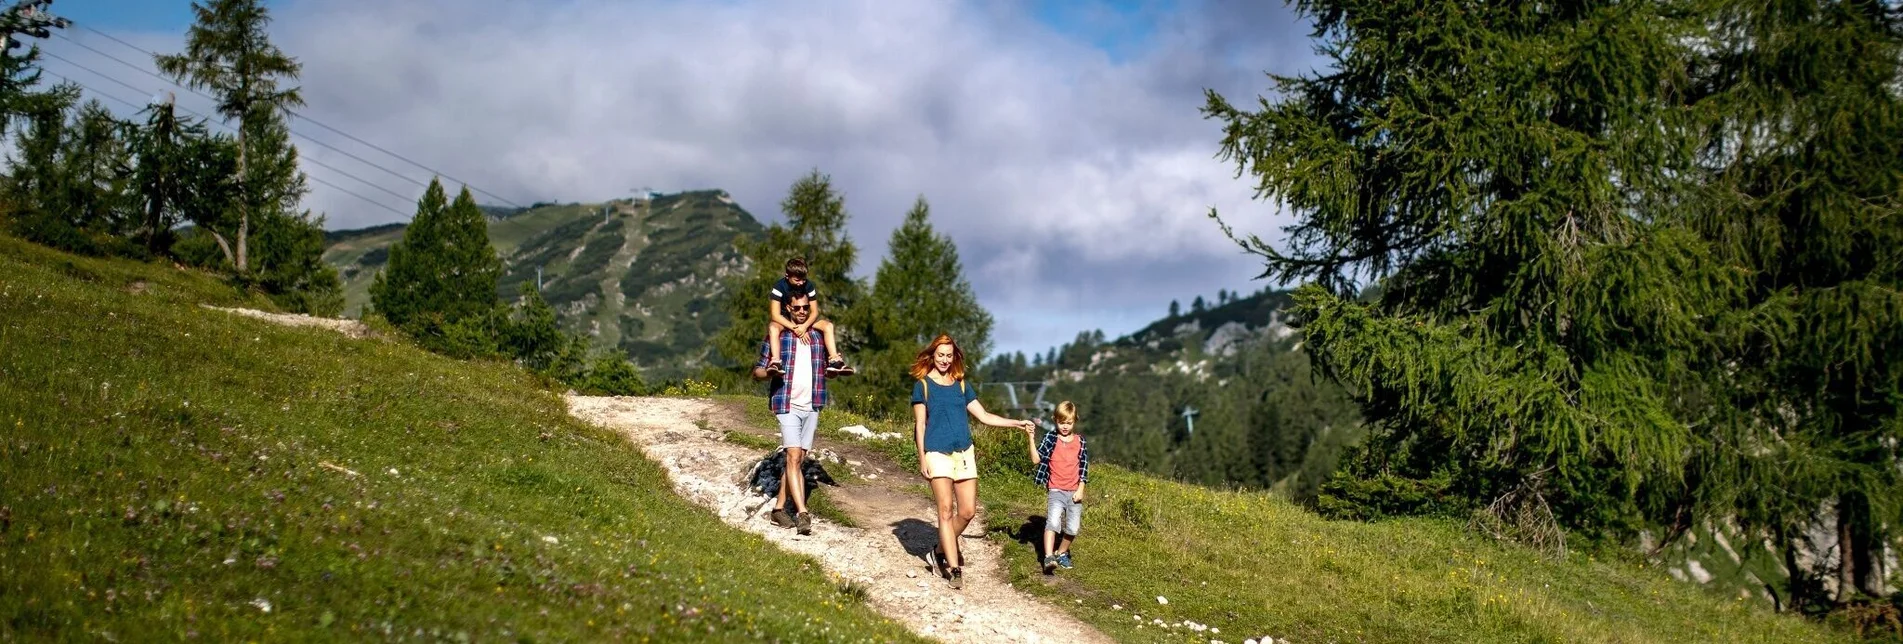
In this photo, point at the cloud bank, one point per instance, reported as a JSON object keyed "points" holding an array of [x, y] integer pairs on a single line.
{"points": [[1075, 182]]}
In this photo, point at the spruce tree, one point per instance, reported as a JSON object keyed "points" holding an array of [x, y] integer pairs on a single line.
{"points": [[443, 272], [1544, 333], [919, 291]]}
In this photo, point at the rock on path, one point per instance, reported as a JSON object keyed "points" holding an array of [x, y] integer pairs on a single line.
{"points": [[899, 528]]}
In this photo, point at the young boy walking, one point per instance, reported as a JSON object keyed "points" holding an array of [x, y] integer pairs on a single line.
{"points": [[794, 282], [1063, 467]]}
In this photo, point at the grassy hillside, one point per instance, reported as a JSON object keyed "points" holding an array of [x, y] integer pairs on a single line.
{"points": [[1251, 564], [640, 277], [169, 471]]}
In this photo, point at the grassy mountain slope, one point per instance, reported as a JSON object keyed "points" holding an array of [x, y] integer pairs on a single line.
{"points": [[637, 276], [1250, 564], [169, 471]]}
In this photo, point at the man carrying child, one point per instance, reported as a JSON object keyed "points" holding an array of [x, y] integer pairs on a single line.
{"points": [[794, 283]]}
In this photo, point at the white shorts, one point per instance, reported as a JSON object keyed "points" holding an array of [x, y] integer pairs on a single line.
{"points": [[797, 428], [957, 466]]}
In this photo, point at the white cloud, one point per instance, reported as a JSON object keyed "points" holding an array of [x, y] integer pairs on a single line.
{"points": [[1075, 186]]}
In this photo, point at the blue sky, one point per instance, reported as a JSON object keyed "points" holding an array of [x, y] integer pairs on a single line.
{"points": [[1060, 144]]}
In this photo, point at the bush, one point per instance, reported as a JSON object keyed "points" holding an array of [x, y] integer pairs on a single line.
{"points": [[612, 375]]}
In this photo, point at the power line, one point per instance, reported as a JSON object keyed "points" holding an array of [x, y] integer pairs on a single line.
{"points": [[209, 119], [312, 177], [307, 118], [306, 137]]}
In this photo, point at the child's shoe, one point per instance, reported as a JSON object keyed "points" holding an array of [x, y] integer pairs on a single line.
{"points": [[838, 368], [781, 518], [1050, 564], [957, 578], [1063, 559], [774, 369]]}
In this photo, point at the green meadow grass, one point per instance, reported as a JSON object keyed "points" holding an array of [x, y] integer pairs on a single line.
{"points": [[1250, 564], [169, 471]]}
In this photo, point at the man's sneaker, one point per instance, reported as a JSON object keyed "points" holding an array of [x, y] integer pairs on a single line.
{"points": [[775, 369], [1050, 564], [933, 560], [838, 368], [806, 523], [957, 578], [1063, 559], [781, 518]]}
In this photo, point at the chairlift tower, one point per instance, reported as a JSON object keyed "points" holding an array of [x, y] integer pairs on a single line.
{"points": [[1035, 406], [1189, 418]]}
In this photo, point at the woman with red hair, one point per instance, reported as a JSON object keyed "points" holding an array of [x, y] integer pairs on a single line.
{"points": [[940, 400]]}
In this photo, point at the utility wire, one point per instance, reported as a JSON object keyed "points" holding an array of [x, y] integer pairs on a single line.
{"points": [[366, 182], [307, 118], [210, 98], [312, 177]]}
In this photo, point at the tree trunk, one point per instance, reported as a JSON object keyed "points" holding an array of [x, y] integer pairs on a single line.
{"points": [[244, 199], [1846, 552], [222, 244]]}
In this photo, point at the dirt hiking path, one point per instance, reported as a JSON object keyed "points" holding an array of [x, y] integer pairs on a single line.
{"points": [[885, 556]]}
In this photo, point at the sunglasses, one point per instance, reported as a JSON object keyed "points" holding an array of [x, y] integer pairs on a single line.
{"points": [[805, 307]]}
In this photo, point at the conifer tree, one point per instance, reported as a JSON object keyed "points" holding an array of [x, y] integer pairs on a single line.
{"points": [[1803, 164], [815, 229], [443, 272], [1502, 169], [919, 291], [228, 52]]}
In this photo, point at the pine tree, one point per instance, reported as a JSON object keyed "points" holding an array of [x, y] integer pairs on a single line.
{"points": [[443, 272], [1175, 309], [1197, 306], [1543, 330], [228, 52], [815, 229], [918, 292]]}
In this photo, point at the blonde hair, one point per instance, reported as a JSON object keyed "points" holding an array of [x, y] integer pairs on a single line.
{"points": [[1066, 412]]}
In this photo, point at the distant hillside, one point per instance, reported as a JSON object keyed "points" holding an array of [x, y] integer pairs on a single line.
{"points": [[638, 276]]}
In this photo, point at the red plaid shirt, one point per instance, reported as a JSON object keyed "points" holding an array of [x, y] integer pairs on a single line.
{"points": [[777, 388]]}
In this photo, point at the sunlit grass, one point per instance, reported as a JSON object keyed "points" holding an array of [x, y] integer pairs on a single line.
{"points": [[1244, 564], [170, 471]]}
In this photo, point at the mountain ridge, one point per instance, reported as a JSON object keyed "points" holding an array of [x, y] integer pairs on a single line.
{"points": [[642, 276]]}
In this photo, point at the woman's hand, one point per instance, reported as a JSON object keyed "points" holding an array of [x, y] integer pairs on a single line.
{"points": [[924, 472]]}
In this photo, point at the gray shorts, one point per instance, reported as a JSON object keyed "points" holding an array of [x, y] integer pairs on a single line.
{"points": [[797, 428], [1062, 514]]}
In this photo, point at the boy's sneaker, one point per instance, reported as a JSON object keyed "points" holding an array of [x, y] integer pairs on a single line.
{"points": [[957, 578], [774, 369], [1050, 564], [781, 518], [838, 368], [806, 523], [1063, 559]]}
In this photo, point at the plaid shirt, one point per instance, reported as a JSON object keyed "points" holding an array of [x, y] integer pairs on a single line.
{"points": [[777, 388], [1049, 444]]}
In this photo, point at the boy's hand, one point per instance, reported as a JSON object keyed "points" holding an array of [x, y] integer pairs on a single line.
{"points": [[1077, 497]]}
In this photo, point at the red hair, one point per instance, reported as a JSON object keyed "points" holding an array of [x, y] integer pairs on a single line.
{"points": [[923, 364]]}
